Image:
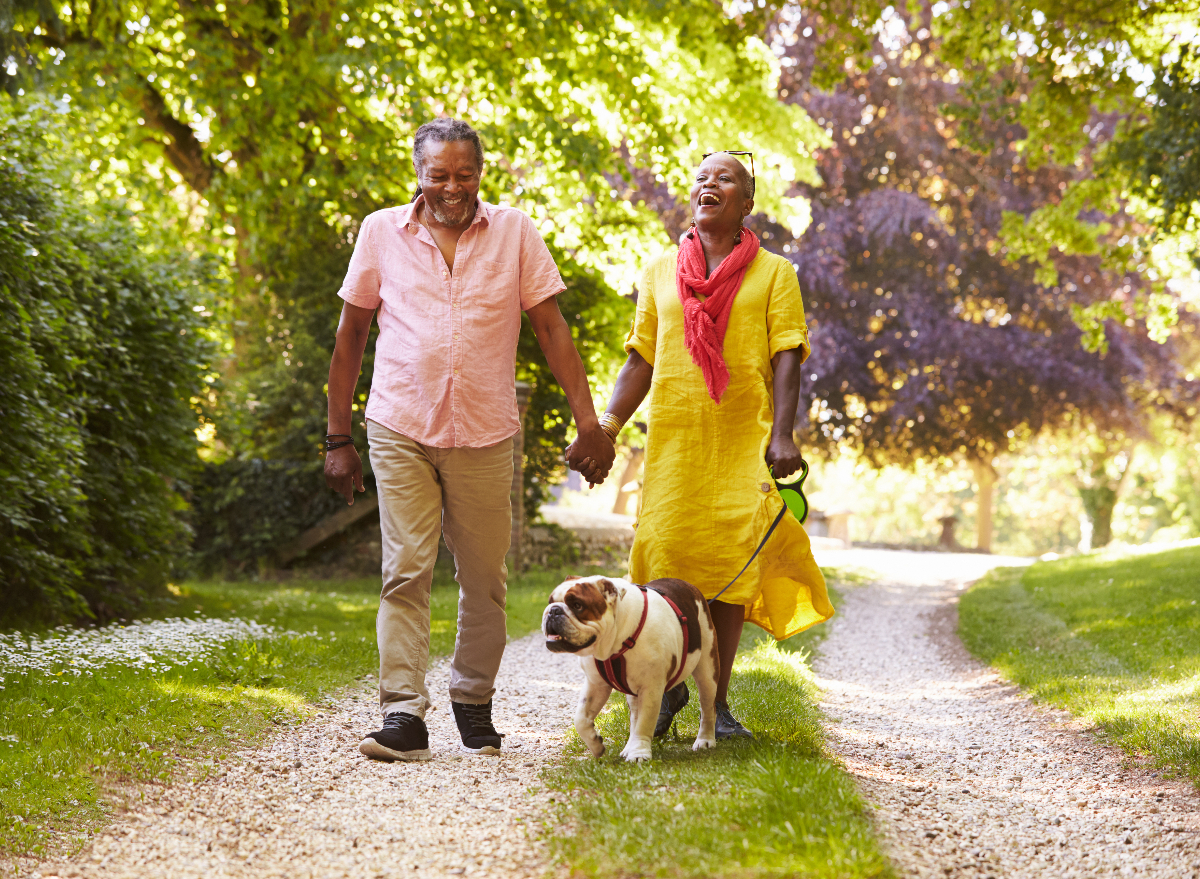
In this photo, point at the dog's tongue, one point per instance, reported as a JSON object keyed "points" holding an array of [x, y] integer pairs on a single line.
{"points": [[550, 637]]}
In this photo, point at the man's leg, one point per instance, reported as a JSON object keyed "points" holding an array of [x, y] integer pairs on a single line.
{"points": [[477, 524], [409, 519]]}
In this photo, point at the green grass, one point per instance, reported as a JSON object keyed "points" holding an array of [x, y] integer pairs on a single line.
{"points": [[1112, 639], [774, 807], [65, 740]]}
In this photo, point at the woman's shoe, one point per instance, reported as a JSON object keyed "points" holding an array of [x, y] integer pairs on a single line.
{"points": [[673, 701], [727, 724]]}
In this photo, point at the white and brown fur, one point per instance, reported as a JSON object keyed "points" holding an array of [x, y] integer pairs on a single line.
{"points": [[592, 616]]}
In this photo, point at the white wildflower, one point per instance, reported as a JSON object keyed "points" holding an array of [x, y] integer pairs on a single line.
{"points": [[155, 644]]}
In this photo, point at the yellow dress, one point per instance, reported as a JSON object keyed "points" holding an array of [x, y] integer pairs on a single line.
{"points": [[707, 495]]}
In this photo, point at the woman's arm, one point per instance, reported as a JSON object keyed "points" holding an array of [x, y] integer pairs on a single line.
{"points": [[782, 455], [633, 384]]}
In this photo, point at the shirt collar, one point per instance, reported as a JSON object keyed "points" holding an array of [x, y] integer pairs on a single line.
{"points": [[408, 214]]}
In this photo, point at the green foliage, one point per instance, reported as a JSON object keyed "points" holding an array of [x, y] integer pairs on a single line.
{"points": [[245, 509], [775, 807], [64, 738], [103, 352], [1112, 638], [1162, 152]]}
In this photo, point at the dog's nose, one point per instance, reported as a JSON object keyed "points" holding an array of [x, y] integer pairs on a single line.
{"points": [[556, 610]]}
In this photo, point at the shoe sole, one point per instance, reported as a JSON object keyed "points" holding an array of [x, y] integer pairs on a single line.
{"points": [[368, 747], [485, 751]]}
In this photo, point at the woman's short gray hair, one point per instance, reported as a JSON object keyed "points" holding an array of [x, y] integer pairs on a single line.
{"points": [[445, 130]]}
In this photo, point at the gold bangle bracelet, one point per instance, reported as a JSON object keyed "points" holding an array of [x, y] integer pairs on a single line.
{"points": [[610, 422]]}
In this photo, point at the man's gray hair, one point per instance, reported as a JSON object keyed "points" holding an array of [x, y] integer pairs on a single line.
{"points": [[445, 130]]}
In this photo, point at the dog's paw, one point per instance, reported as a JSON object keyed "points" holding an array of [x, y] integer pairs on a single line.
{"points": [[639, 753], [701, 744], [595, 745]]}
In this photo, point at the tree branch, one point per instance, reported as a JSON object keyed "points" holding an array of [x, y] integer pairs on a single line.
{"points": [[181, 146]]}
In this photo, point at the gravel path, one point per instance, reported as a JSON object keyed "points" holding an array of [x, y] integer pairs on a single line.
{"points": [[971, 779], [307, 804]]}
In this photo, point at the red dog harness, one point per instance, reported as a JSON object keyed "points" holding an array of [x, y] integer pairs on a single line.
{"points": [[613, 668]]}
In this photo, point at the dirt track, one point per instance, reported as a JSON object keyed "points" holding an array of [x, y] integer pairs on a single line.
{"points": [[969, 778]]}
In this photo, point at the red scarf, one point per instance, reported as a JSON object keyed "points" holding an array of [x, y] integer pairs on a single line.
{"points": [[704, 323]]}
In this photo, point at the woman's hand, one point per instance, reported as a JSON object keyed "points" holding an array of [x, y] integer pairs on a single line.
{"points": [[783, 457], [592, 454], [343, 471]]}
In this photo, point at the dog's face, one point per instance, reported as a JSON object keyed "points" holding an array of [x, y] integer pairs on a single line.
{"points": [[580, 610]]}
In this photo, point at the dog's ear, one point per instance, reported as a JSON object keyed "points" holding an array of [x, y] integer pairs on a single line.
{"points": [[607, 589], [572, 577]]}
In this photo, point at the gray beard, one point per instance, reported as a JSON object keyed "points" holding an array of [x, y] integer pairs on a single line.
{"points": [[445, 217]]}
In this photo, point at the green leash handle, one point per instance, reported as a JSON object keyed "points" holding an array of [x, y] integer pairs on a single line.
{"points": [[794, 500], [793, 494]]}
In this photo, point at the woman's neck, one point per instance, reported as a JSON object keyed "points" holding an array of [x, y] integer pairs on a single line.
{"points": [[717, 245]]}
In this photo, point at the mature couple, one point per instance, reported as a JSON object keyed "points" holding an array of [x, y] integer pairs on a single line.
{"points": [[717, 341]]}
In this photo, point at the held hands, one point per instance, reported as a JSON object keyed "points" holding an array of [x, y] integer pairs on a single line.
{"points": [[592, 454], [783, 457], [343, 472]]}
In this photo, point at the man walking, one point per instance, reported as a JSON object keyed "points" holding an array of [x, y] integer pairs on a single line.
{"points": [[450, 275]]}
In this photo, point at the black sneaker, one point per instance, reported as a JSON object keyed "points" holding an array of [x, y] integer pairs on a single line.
{"points": [[475, 727], [403, 737], [727, 724], [673, 701]]}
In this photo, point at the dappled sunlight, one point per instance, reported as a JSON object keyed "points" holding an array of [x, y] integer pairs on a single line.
{"points": [[355, 609], [1176, 693], [231, 695]]}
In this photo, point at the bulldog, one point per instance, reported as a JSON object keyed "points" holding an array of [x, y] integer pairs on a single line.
{"points": [[640, 640]]}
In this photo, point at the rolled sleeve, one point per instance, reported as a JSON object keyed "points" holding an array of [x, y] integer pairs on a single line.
{"points": [[363, 280], [643, 335], [786, 324], [539, 277]]}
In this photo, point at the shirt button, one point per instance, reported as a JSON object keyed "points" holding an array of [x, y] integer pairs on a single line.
{"points": [[456, 372], [456, 337], [766, 486]]}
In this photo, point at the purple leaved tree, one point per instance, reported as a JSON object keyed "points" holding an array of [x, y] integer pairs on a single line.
{"points": [[927, 341]]}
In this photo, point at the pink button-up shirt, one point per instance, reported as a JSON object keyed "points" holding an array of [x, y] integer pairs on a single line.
{"points": [[445, 362]]}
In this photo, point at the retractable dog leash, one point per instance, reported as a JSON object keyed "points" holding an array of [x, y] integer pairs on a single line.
{"points": [[794, 500]]}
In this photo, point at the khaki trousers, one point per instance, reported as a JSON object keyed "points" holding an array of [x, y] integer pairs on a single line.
{"points": [[463, 494]]}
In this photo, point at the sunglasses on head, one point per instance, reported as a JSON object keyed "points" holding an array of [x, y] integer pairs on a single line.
{"points": [[737, 153]]}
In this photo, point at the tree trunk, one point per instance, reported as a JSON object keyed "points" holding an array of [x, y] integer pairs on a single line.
{"points": [[1101, 490], [985, 486], [628, 474]]}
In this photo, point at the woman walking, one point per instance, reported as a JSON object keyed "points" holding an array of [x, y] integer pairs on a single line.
{"points": [[718, 340]]}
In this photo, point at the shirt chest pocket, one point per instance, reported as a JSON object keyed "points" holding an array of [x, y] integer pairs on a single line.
{"points": [[494, 286]]}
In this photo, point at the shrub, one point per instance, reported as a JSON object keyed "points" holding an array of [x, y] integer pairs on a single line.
{"points": [[245, 510], [102, 351]]}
